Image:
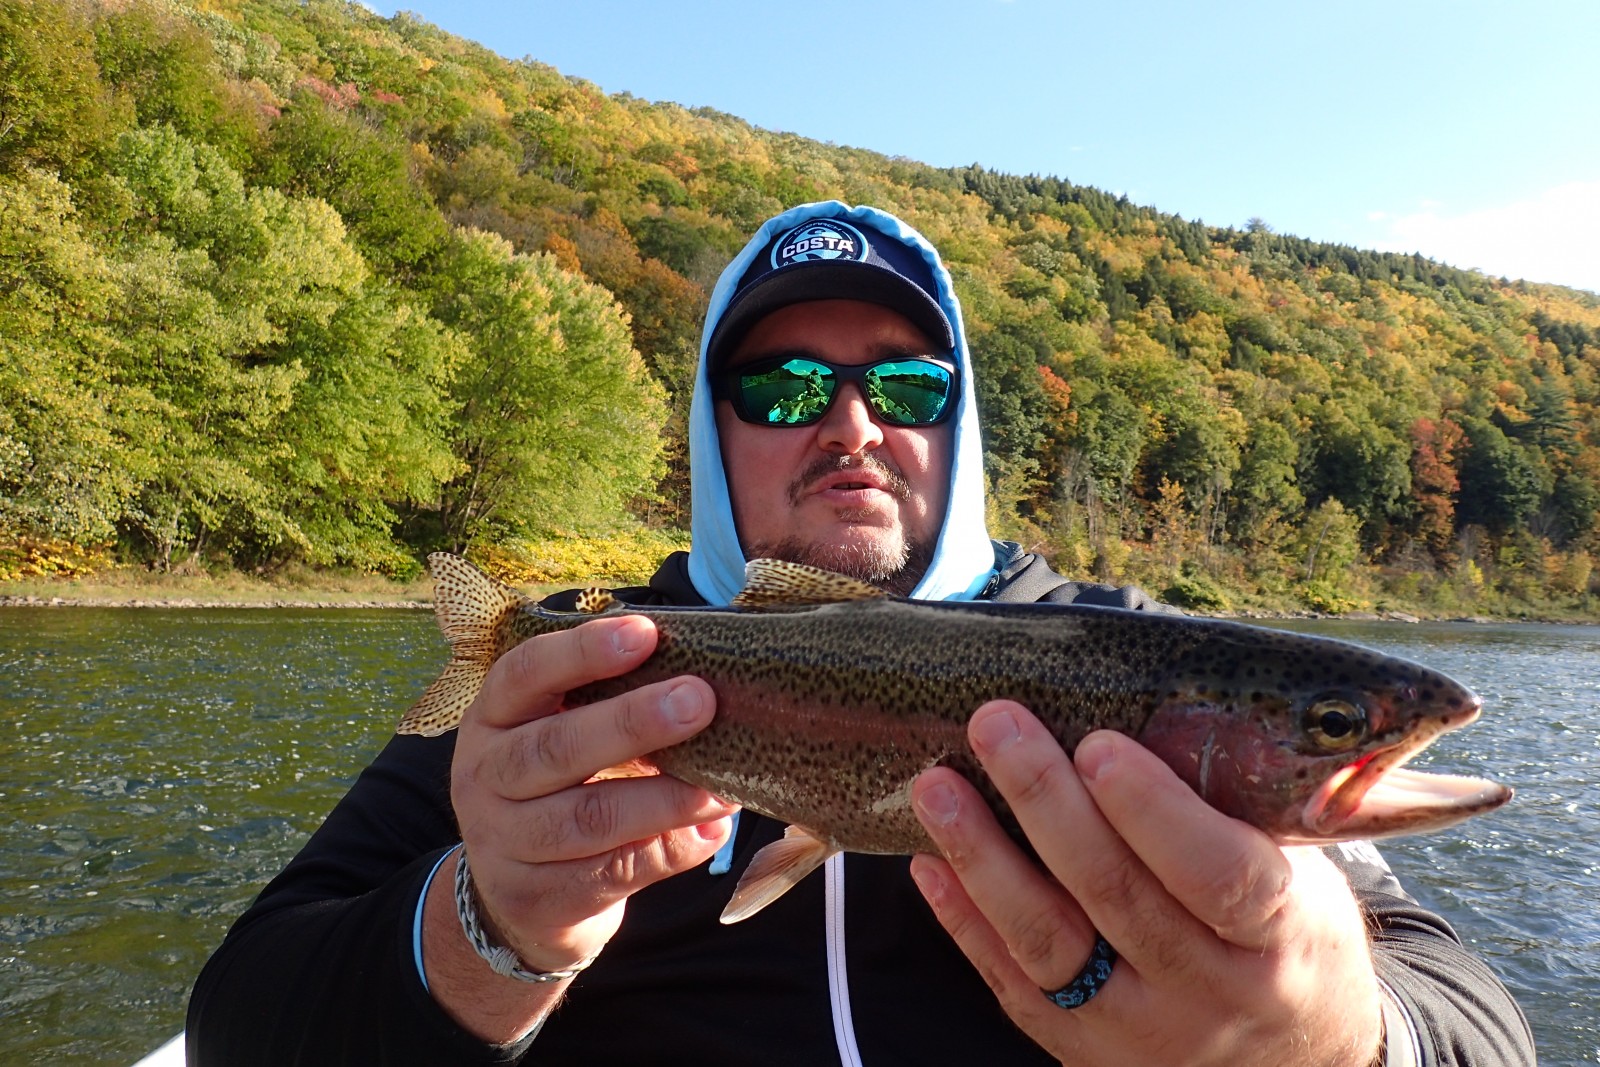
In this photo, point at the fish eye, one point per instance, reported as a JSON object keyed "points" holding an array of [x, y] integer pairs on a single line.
{"points": [[1336, 725]]}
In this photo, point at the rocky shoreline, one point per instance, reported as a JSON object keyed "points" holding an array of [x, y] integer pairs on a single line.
{"points": [[190, 602], [16, 601]]}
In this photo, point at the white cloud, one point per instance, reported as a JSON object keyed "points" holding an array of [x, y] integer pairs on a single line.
{"points": [[1552, 237]]}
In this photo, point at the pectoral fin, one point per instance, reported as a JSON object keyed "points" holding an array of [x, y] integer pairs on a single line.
{"points": [[634, 768], [775, 870]]}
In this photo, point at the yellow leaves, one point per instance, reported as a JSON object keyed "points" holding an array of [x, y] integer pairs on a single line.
{"points": [[630, 556], [1569, 572], [491, 103], [1125, 260], [1131, 344], [24, 557], [1205, 336]]}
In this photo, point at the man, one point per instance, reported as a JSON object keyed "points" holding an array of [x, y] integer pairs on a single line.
{"points": [[1157, 931]]}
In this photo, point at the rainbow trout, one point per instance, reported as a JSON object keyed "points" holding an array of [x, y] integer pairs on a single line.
{"points": [[832, 696]]}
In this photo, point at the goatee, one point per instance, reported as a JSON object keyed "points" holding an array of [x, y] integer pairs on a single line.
{"points": [[894, 564], [894, 567]]}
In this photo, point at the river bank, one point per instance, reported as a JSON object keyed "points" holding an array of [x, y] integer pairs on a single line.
{"points": [[138, 588], [36, 601], [366, 592]]}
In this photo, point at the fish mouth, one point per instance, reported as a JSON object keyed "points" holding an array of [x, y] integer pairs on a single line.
{"points": [[1375, 797]]}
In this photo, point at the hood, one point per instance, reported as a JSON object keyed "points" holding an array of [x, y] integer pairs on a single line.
{"points": [[964, 558]]}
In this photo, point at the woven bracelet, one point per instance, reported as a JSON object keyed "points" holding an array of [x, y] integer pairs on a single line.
{"points": [[501, 960]]}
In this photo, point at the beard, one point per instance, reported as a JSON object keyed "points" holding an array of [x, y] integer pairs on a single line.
{"points": [[895, 567], [894, 563]]}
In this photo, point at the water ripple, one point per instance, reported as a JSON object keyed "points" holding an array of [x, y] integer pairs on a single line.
{"points": [[162, 765]]}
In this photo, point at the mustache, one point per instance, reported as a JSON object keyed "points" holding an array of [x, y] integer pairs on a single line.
{"points": [[894, 482]]}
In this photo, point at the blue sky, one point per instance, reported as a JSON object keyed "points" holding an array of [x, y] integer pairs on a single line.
{"points": [[1467, 130]]}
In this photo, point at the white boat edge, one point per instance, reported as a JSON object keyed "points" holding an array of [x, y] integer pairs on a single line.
{"points": [[168, 1055]]}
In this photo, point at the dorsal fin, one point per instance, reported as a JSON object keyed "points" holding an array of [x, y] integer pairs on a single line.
{"points": [[594, 600], [775, 582], [470, 607]]}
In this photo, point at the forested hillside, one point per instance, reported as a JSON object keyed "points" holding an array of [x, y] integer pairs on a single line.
{"points": [[290, 282]]}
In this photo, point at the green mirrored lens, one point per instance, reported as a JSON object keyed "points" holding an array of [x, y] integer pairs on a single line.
{"points": [[910, 393], [794, 392], [797, 392]]}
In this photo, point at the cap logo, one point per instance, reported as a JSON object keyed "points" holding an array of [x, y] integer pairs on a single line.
{"points": [[819, 239]]}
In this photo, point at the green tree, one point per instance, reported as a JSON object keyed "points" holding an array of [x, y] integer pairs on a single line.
{"points": [[1502, 483], [364, 174], [70, 455], [1265, 493], [54, 110], [559, 424], [231, 304], [1327, 544], [371, 423], [1356, 459], [167, 68]]}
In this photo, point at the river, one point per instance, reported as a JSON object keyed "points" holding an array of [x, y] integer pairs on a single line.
{"points": [[159, 766]]}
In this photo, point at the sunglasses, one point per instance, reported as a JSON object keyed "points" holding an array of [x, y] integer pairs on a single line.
{"points": [[798, 390]]}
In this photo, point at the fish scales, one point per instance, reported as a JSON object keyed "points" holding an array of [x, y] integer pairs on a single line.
{"points": [[827, 712], [847, 699]]}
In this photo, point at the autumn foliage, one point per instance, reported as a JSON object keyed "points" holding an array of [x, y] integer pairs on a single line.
{"points": [[292, 282]]}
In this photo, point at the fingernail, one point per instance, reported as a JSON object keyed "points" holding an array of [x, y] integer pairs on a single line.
{"points": [[683, 704], [1094, 757], [627, 637], [939, 804], [929, 882], [994, 732], [710, 831]]}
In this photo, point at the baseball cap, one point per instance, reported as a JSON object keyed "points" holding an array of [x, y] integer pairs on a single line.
{"points": [[831, 259]]}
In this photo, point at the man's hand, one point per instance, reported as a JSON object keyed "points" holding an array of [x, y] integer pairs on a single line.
{"points": [[1233, 951], [555, 856]]}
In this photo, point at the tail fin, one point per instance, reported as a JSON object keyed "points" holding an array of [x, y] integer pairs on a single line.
{"points": [[470, 607]]}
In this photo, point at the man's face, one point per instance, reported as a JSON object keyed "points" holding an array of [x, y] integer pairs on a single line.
{"points": [[848, 493]]}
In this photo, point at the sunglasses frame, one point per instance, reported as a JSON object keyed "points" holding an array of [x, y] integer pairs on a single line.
{"points": [[725, 386]]}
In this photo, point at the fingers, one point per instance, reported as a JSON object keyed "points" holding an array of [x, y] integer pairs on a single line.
{"points": [[554, 855], [1225, 873], [557, 751], [1040, 928], [1126, 848], [586, 873], [1077, 844], [1019, 993], [526, 783], [598, 818], [555, 913], [531, 679]]}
